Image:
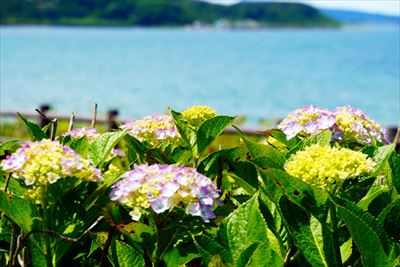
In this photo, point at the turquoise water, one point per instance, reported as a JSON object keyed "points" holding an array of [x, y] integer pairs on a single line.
{"points": [[259, 74]]}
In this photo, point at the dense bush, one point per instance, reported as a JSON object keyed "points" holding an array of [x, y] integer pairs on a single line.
{"points": [[321, 190]]}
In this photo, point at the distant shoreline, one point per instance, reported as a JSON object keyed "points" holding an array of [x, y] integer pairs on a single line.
{"points": [[189, 28]]}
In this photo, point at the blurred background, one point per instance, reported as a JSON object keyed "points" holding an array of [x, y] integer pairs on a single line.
{"points": [[255, 59]]}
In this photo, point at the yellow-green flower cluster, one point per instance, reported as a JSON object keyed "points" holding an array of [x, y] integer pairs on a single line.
{"points": [[196, 115], [45, 162], [153, 129], [325, 166]]}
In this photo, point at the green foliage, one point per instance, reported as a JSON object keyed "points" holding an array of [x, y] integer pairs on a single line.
{"points": [[381, 156], [127, 256], [34, 130], [307, 233], [367, 233], [245, 239], [180, 255], [210, 129], [19, 210], [269, 218], [8, 146], [323, 138], [265, 156], [101, 147], [311, 198], [152, 13], [394, 162]]}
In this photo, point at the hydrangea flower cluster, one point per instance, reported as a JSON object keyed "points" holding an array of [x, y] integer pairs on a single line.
{"points": [[161, 187], [45, 162], [325, 166], [153, 129], [353, 124], [90, 133], [196, 115], [307, 120], [346, 123]]}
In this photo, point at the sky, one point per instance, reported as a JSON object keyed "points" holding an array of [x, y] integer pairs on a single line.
{"points": [[386, 7]]}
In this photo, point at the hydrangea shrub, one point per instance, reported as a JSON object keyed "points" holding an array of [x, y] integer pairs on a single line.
{"points": [[321, 191]]}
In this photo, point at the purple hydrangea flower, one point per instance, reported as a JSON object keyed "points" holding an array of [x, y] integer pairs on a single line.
{"points": [[307, 120], [153, 129], [44, 162], [353, 124], [346, 123], [162, 187], [90, 133]]}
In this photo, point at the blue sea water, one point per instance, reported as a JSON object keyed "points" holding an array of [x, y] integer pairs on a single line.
{"points": [[256, 73]]}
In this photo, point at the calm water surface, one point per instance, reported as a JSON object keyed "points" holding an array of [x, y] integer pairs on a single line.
{"points": [[260, 74]]}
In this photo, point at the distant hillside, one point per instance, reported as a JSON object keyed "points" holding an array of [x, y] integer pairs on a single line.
{"points": [[347, 17], [157, 13]]}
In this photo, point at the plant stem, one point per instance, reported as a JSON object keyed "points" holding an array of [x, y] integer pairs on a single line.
{"points": [[220, 173], [103, 259], [46, 224], [7, 182], [13, 246], [289, 255], [336, 247], [157, 254]]}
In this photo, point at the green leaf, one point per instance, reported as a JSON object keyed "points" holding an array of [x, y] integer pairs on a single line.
{"points": [[127, 256], [316, 231], [261, 257], [366, 232], [265, 156], [137, 231], [245, 174], [308, 239], [80, 145], [265, 208], [19, 210], [246, 255], [134, 149], [310, 198], [180, 255], [101, 147], [7, 146], [281, 137], [394, 162], [242, 231], [184, 130], [156, 156], [36, 253], [34, 130], [346, 249], [208, 247], [210, 129], [373, 193], [14, 185], [381, 157], [390, 219], [355, 190], [135, 144], [211, 164], [323, 138]]}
